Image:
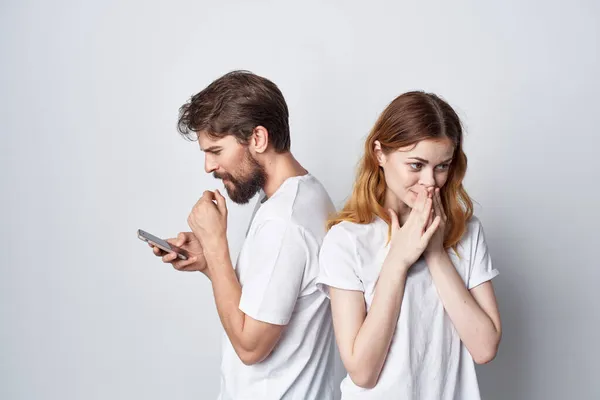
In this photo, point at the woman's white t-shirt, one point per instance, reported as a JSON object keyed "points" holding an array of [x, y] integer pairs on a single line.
{"points": [[426, 359]]}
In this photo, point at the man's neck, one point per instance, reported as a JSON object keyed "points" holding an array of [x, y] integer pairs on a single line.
{"points": [[279, 168]]}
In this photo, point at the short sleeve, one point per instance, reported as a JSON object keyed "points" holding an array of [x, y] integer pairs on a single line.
{"points": [[277, 261], [338, 262], [481, 268]]}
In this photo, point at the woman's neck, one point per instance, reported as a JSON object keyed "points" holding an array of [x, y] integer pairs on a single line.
{"points": [[397, 205]]}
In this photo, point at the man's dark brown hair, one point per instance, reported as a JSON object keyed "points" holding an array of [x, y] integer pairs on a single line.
{"points": [[235, 104]]}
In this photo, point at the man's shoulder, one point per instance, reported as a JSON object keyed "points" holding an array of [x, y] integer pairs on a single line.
{"points": [[299, 202]]}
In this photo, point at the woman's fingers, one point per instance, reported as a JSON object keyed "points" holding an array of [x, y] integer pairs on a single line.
{"points": [[431, 230], [425, 214]]}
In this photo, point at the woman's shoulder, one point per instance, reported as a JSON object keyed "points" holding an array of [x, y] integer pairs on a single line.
{"points": [[356, 229], [473, 223], [350, 243], [350, 233], [472, 232]]}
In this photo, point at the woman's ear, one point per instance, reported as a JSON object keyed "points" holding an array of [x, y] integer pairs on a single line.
{"points": [[379, 153]]}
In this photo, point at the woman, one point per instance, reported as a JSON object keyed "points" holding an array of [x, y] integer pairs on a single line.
{"points": [[406, 264]]}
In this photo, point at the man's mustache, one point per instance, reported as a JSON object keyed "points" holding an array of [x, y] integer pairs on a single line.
{"points": [[223, 176]]}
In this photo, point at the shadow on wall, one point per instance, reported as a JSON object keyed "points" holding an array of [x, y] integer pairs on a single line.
{"points": [[506, 377]]}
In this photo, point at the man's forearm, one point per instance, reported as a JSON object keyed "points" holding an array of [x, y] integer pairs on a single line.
{"points": [[227, 292]]}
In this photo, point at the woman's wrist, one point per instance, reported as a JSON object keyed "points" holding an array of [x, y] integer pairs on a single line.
{"points": [[434, 258]]}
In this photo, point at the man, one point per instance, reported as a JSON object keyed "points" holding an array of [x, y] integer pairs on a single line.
{"points": [[278, 325]]}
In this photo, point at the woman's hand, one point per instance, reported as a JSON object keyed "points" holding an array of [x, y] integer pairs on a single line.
{"points": [[410, 241]]}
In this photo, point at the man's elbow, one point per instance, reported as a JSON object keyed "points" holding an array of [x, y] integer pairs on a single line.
{"points": [[364, 378], [251, 357], [252, 350], [247, 357], [367, 383]]}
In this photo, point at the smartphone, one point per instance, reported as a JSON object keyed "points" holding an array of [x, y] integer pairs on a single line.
{"points": [[162, 244]]}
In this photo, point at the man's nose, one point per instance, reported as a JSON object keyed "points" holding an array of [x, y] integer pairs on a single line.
{"points": [[210, 165]]}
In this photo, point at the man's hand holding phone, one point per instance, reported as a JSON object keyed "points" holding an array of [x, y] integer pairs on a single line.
{"points": [[188, 242]]}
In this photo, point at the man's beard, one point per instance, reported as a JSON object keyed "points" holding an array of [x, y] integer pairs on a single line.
{"points": [[241, 190]]}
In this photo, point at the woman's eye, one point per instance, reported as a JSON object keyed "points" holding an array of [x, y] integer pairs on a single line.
{"points": [[416, 166], [443, 167]]}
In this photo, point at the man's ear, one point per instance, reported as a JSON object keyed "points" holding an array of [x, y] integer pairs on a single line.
{"points": [[381, 158], [260, 139]]}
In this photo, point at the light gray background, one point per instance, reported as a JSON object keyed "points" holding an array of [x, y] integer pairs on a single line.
{"points": [[89, 93]]}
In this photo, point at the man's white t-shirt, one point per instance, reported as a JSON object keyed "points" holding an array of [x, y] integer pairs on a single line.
{"points": [[426, 359], [277, 268]]}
